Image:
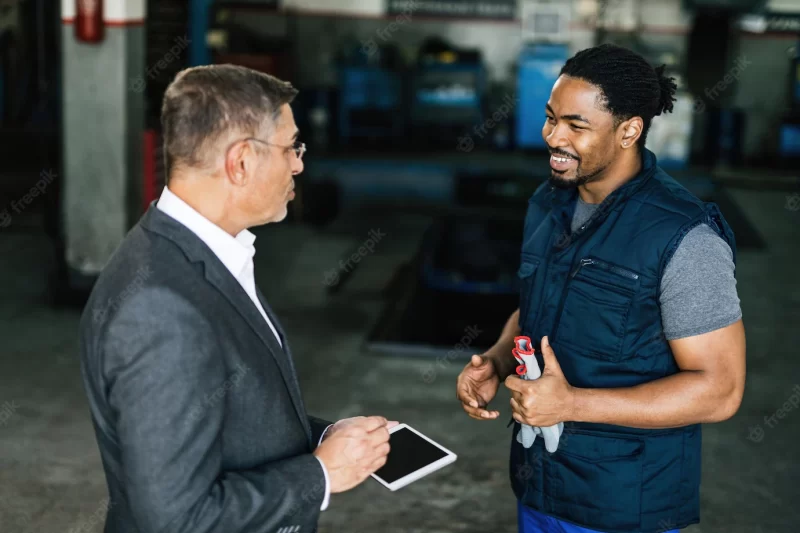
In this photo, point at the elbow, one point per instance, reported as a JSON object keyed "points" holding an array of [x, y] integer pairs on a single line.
{"points": [[728, 405]]}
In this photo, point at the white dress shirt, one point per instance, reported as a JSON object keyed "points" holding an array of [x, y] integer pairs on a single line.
{"points": [[237, 256]]}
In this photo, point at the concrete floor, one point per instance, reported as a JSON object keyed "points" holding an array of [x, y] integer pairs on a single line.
{"points": [[51, 479]]}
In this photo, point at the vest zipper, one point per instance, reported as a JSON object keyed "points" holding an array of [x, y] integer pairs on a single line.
{"points": [[577, 269], [564, 298], [604, 266]]}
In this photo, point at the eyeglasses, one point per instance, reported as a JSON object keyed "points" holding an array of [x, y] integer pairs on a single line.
{"points": [[298, 147]]}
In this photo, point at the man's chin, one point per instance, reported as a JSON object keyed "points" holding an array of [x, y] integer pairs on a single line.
{"points": [[278, 216], [562, 181], [282, 214]]}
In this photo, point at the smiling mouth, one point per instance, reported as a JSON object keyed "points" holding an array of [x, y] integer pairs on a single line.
{"points": [[561, 163], [563, 157]]}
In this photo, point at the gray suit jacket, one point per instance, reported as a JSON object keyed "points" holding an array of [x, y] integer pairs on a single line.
{"points": [[196, 408]]}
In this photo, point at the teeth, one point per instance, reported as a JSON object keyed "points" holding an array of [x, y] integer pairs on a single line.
{"points": [[561, 159]]}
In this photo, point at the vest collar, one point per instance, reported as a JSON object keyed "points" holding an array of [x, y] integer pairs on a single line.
{"points": [[562, 201], [560, 197]]}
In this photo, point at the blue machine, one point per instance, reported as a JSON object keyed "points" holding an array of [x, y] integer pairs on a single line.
{"points": [[199, 15], [370, 102], [448, 94], [539, 65], [790, 140], [796, 76]]}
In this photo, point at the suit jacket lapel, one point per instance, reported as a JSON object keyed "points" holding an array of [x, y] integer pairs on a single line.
{"points": [[221, 278], [297, 397], [218, 276]]}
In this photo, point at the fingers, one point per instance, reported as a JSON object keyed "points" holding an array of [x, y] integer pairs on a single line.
{"points": [[465, 396], [383, 449], [488, 415], [377, 463], [480, 414], [478, 370], [392, 423], [516, 408], [515, 383], [517, 412], [380, 456], [517, 396], [378, 437], [473, 407], [472, 403], [372, 423]]}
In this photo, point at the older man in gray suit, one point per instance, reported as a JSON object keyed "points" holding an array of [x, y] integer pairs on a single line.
{"points": [[193, 393]]}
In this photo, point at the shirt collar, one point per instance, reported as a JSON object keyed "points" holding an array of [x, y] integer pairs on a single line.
{"points": [[234, 253]]}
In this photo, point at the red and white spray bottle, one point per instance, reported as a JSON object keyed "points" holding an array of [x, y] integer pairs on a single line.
{"points": [[529, 370]]}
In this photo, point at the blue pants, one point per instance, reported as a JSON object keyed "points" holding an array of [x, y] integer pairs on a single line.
{"points": [[531, 521]]}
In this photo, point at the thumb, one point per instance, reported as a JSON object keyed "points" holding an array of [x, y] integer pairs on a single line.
{"points": [[551, 365], [477, 360]]}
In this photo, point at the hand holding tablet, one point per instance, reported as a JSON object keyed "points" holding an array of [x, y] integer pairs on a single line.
{"points": [[412, 457], [352, 449]]}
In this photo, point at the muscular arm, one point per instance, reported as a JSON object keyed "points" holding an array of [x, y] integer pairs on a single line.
{"points": [[708, 388], [701, 318]]}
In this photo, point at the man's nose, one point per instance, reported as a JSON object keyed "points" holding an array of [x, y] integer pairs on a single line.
{"points": [[297, 166], [556, 139]]}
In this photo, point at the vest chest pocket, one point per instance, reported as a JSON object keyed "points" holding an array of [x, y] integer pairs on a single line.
{"points": [[526, 276], [595, 315]]}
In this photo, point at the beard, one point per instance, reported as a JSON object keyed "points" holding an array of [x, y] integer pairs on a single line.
{"points": [[560, 182]]}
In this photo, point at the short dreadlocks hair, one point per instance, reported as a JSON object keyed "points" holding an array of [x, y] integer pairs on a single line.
{"points": [[629, 85]]}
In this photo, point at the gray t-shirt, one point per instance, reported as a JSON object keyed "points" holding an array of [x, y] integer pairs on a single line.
{"points": [[698, 289]]}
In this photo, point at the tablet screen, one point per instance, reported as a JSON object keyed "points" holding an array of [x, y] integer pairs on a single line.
{"points": [[409, 452]]}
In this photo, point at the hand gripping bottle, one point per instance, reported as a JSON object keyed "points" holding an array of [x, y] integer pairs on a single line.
{"points": [[529, 370]]}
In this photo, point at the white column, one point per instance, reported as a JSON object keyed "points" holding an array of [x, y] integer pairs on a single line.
{"points": [[103, 122]]}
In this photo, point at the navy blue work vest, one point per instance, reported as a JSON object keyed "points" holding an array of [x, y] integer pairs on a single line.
{"points": [[595, 293]]}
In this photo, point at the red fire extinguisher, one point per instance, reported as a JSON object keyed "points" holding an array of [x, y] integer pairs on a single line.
{"points": [[89, 21]]}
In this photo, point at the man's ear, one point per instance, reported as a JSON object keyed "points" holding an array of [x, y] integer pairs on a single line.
{"points": [[236, 163], [630, 131]]}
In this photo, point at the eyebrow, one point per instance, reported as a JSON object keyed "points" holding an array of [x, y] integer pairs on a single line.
{"points": [[569, 117]]}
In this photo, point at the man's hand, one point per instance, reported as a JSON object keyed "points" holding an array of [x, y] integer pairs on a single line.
{"points": [[349, 422], [354, 450], [546, 401], [476, 387]]}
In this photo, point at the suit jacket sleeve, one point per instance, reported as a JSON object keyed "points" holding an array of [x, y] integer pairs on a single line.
{"points": [[161, 361], [318, 427]]}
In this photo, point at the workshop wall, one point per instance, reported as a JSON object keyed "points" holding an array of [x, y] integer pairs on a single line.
{"points": [[319, 31], [762, 91], [322, 32]]}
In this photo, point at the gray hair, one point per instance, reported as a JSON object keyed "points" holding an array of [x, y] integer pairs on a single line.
{"points": [[204, 104]]}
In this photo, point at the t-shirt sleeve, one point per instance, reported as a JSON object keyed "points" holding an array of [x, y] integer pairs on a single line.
{"points": [[698, 287]]}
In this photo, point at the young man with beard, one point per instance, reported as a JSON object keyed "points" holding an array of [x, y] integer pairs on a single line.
{"points": [[629, 297]]}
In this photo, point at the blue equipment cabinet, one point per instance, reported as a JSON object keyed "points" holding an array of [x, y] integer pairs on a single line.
{"points": [[796, 78], [199, 15], [539, 65], [370, 102], [789, 138], [448, 94]]}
